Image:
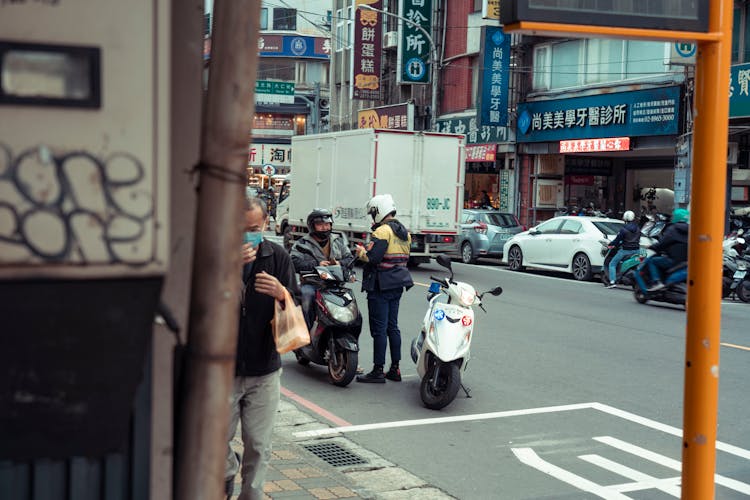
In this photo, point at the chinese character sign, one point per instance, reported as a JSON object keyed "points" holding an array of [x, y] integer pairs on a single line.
{"points": [[415, 48], [739, 91], [621, 114], [368, 47], [493, 101], [397, 117], [475, 133]]}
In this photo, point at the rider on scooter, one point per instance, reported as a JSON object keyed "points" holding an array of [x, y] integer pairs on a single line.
{"points": [[320, 247], [628, 239], [673, 245]]}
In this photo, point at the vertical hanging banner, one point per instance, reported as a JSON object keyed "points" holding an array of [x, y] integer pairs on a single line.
{"points": [[493, 92], [368, 48], [415, 48]]}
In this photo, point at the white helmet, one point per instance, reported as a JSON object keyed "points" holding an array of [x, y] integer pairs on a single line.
{"points": [[628, 216], [380, 206]]}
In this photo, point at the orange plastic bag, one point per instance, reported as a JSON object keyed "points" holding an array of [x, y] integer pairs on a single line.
{"points": [[289, 328]]}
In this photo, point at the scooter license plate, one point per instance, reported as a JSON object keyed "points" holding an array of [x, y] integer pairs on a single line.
{"points": [[739, 274]]}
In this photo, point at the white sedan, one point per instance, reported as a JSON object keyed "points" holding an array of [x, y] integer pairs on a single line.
{"points": [[570, 244]]}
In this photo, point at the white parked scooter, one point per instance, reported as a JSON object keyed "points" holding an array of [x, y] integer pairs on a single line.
{"points": [[442, 349]]}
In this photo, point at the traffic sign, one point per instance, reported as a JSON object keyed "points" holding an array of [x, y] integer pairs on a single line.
{"points": [[269, 169]]}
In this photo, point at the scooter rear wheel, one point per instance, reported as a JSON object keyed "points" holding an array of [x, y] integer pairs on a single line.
{"points": [[437, 394], [743, 290], [342, 367]]}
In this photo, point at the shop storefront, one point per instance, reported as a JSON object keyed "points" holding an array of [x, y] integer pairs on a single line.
{"points": [[606, 153], [490, 162]]}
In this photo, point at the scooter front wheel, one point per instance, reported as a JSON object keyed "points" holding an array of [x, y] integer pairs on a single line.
{"points": [[743, 290], [440, 385], [342, 366], [301, 359], [639, 295]]}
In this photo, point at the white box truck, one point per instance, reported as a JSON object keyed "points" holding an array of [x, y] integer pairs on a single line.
{"points": [[341, 171]]}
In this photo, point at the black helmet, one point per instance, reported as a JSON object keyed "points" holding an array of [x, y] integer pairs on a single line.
{"points": [[319, 215]]}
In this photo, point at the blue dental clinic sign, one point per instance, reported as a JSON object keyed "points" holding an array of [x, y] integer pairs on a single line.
{"points": [[622, 114], [493, 101]]}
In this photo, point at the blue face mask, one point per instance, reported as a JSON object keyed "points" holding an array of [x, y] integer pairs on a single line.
{"points": [[253, 237]]}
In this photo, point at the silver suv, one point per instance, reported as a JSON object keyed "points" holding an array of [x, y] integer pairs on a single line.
{"points": [[484, 232]]}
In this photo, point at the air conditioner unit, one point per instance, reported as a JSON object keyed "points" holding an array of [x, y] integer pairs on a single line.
{"points": [[390, 40]]}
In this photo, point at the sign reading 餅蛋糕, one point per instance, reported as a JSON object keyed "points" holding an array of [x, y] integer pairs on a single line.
{"points": [[368, 47], [636, 113], [493, 90], [475, 133], [595, 145], [414, 51]]}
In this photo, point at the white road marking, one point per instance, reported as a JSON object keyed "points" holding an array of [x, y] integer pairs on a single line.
{"points": [[439, 420], [668, 462], [641, 482], [530, 458]]}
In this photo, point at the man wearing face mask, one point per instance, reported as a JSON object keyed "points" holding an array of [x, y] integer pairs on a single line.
{"points": [[267, 270], [320, 247]]}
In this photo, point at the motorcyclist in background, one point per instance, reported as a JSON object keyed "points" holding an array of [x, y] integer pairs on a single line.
{"points": [[672, 247], [320, 247], [628, 239]]}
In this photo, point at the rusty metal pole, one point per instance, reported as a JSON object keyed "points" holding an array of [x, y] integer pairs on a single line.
{"points": [[214, 302], [707, 197]]}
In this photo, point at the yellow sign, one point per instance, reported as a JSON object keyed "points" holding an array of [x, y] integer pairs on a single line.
{"points": [[491, 9]]}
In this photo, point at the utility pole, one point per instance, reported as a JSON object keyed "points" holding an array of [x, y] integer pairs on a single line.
{"points": [[214, 300]]}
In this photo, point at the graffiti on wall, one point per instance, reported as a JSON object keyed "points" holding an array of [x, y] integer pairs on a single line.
{"points": [[74, 208]]}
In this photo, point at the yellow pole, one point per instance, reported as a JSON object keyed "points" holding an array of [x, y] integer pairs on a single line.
{"points": [[704, 261]]}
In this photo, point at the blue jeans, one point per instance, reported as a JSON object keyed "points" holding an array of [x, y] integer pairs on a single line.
{"points": [[619, 256], [657, 264], [308, 296], [382, 306]]}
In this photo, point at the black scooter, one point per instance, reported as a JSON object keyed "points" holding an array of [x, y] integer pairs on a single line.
{"points": [[674, 293], [334, 338]]}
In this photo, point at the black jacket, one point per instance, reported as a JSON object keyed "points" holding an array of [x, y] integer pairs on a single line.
{"points": [[674, 242], [629, 237], [256, 350], [307, 254]]}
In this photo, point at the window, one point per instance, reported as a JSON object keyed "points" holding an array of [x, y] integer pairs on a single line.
{"points": [[475, 76], [549, 227], [269, 69], [604, 60], [645, 58], [340, 26], [570, 226], [566, 64], [285, 19], [541, 67], [349, 26], [311, 72], [478, 5], [264, 18]]}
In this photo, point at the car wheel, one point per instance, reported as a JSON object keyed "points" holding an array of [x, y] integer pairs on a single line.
{"points": [[515, 259], [467, 253], [581, 267]]}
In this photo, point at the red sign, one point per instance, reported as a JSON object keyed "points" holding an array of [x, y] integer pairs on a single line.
{"points": [[481, 152], [595, 145], [368, 48], [581, 180]]}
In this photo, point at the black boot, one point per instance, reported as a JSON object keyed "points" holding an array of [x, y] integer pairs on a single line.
{"points": [[394, 373], [376, 376]]}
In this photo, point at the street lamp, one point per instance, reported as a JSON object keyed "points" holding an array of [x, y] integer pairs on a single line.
{"points": [[433, 62]]}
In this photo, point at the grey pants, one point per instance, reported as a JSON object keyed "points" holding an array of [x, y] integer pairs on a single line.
{"points": [[254, 403]]}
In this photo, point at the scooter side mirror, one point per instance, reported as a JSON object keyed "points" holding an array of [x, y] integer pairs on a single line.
{"points": [[444, 261], [496, 291]]}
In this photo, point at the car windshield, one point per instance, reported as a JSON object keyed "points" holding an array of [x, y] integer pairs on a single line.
{"points": [[610, 228], [499, 219]]}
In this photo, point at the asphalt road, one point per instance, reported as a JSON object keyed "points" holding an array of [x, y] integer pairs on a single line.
{"points": [[575, 388]]}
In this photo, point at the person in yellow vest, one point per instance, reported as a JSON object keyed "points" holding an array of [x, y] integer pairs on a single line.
{"points": [[384, 278]]}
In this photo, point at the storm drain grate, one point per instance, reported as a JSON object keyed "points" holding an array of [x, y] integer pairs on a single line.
{"points": [[334, 454]]}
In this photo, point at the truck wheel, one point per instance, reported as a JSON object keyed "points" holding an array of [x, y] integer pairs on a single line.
{"points": [[288, 238]]}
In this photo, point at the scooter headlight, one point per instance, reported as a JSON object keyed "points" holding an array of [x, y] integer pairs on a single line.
{"points": [[341, 314], [467, 297]]}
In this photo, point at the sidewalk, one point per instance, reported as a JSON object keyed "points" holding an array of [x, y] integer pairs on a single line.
{"points": [[298, 469]]}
